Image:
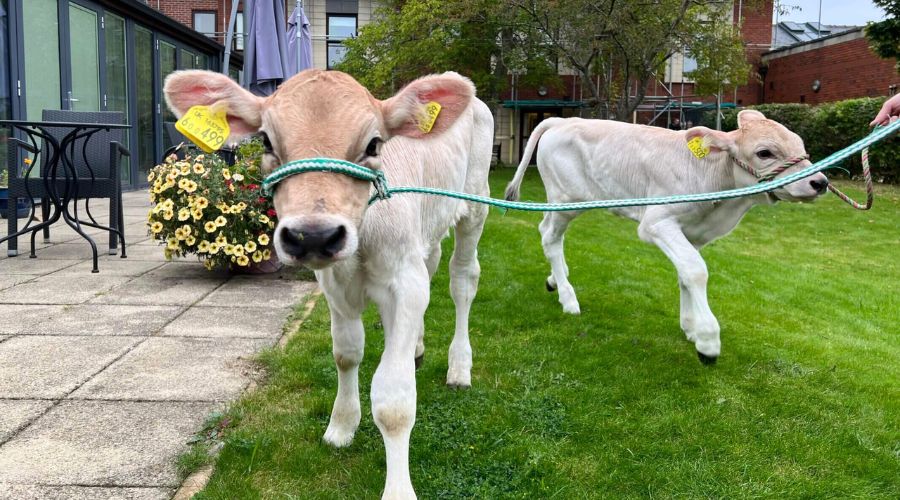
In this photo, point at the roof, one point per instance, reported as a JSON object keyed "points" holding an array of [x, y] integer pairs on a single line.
{"points": [[542, 103], [788, 33]]}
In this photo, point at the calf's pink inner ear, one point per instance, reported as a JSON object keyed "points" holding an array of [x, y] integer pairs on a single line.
{"points": [[185, 89], [405, 111], [749, 115], [715, 140]]}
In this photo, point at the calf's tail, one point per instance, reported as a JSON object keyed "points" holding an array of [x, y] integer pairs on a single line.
{"points": [[512, 190]]}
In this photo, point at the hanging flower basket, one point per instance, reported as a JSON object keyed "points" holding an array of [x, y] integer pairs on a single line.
{"points": [[216, 211]]}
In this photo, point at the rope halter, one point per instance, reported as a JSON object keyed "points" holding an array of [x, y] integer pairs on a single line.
{"points": [[376, 177], [775, 172]]}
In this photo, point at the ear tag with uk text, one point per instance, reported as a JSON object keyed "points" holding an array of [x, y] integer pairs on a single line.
{"points": [[696, 147], [432, 110], [205, 126]]}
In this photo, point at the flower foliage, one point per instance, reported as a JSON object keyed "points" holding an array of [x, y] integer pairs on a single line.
{"points": [[205, 207]]}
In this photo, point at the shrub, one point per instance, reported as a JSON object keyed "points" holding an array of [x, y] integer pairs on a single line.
{"points": [[205, 207], [827, 128]]}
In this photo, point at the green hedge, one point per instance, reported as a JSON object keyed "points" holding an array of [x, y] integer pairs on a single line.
{"points": [[829, 127]]}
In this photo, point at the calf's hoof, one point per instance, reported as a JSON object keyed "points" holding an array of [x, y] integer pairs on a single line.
{"points": [[550, 288], [338, 437], [707, 360], [420, 359]]}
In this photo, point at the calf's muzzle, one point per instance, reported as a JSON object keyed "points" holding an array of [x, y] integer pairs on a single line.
{"points": [[313, 242]]}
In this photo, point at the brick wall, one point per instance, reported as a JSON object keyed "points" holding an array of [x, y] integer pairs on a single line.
{"points": [[844, 66], [756, 31], [183, 11]]}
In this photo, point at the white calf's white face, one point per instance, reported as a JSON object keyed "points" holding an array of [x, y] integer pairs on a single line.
{"points": [[322, 114]]}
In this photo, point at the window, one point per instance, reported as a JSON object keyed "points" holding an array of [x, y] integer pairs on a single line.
{"points": [[205, 22], [690, 64], [239, 31], [339, 29]]}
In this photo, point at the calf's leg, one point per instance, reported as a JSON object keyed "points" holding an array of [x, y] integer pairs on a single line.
{"points": [[402, 304], [702, 326], [464, 273], [432, 263], [348, 340], [553, 229]]}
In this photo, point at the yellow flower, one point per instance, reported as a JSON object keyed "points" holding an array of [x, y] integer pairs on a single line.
{"points": [[168, 204], [237, 177], [231, 187], [190, 240], [167, 253], [257, 256], [151, 176], [190, 186], [210, 227], [172, 243], [208, 264], [201, 203], [198, 168], [229, 249], [199, 158], [222, 207], [221, 221], [214, 248], [271, 225], [184, 214], [239, 250], [264, 219], [185, 169], [168, 215], [263, 239], [156, 227], [203, 246], [250, 246], [197, 214], [221, 239], [183, 183], [179, 234], [187, 229], [267, 254], [226, 173], [171, 158], [243, 260], [242, 206]]}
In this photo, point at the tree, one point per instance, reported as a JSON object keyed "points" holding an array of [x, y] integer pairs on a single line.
{"points": [[884, 36], [721, 63]]}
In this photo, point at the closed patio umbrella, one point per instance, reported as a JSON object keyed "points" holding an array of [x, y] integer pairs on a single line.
{"points": [[298, 38], [266, 62]]}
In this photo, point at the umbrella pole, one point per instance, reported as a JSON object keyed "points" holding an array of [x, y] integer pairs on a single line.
{"points": [[299, 21], [230, 36]]}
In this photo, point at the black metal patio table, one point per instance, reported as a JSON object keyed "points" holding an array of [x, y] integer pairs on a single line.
{"points": [[60, 175]]}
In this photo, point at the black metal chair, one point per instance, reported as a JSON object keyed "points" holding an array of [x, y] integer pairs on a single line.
{"points": [[96, 160]]}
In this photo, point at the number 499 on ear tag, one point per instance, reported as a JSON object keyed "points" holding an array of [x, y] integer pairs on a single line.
{"points": [[205, 126], [432, 110]]}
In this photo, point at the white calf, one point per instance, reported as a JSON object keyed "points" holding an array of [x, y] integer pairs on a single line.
{"points": [[582, 160], [387, 252]]}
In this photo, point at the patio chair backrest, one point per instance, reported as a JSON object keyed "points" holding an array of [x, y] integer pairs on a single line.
{"points": [[97, 150]]}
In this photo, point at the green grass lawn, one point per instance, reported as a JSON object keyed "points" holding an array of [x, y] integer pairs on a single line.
{"points": [[803, 403]]}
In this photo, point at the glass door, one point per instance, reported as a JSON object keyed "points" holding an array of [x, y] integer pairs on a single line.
{"points": [[40, 32], [84, 56]]}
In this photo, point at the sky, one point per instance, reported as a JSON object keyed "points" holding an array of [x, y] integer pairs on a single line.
{"points": [[846, 12]]}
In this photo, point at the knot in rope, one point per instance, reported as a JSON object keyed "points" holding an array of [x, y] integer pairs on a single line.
{"points": [[376, 177]]}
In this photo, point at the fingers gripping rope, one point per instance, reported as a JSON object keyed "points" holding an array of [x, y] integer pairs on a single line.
{"points": [[382, 191]]}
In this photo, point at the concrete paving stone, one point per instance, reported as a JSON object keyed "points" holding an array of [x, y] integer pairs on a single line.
{"points": [[62, 289], [154, 290], [56, 365], [9, 280], [16, 413], [24, 265], [76, 250], [177, 369], [105, 443], [100, 319], [111, 267], [38, 492], [146, 253], [228, 322], [187, 268], [27, 318], [259, 293]]}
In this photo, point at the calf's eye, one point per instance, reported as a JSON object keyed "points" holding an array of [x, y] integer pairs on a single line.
{"points": [[372, 148], [266, 143], [764, 154]]}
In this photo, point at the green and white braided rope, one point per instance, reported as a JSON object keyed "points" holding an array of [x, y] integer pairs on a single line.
{"points": [[382, 191]]}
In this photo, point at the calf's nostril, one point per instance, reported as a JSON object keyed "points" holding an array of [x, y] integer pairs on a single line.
{"points": [[334, 241], [820, 185], [292, 242]]}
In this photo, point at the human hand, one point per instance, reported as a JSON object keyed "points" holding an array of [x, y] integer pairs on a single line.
{"points": [[889, 112]]}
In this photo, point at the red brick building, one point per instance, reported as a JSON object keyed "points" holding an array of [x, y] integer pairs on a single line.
{"points": [[199, 14], [832, 68]]}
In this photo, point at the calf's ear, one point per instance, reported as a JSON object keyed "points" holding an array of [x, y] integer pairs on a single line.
{"points": [[185, 89], [749, 115], [405, 113], [714, 140]]}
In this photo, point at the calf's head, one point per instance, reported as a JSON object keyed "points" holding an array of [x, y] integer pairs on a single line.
{"points": [[764, 145], [322, 114]]}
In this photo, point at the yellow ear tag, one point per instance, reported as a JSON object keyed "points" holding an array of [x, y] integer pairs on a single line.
{"points": [[205, 126], [696, 147], [432, 110]]}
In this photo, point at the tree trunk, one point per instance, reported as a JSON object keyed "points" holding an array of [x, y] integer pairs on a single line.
{"points": [[719, 109]]}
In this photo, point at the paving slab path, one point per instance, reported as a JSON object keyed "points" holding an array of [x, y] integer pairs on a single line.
{"points": [[104, 378]]}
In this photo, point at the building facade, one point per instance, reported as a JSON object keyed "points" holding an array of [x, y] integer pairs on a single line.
{"points": [[96, 55], [832, 68]]}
